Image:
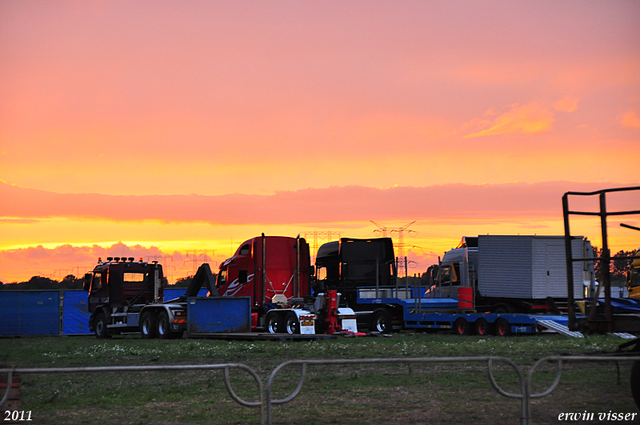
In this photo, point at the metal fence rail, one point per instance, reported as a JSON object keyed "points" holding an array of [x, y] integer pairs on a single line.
{"points": [[266, 401], [225, 367]]}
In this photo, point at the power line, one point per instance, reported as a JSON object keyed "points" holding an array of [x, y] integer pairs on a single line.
{"points": [[319, 237], [400, 245]]}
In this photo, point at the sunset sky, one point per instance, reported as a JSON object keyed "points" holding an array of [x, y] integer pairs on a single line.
{"points": [[176, 130]]}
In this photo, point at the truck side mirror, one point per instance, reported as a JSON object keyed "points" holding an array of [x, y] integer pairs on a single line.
{"points": [[87, 281], [312, 270]]}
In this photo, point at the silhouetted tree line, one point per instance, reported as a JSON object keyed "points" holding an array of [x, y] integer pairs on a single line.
{"points": [[618, 268], [39, 282], [72, 282], [184, 282]]}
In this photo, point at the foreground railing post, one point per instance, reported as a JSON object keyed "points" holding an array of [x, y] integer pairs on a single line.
{"points": [[525, 413]]}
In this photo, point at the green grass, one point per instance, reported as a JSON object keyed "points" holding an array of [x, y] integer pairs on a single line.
{"points": [[447, 393]]}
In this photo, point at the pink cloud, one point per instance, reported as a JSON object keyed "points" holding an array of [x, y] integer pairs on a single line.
{"points": [[329, 205], [56, 263]]}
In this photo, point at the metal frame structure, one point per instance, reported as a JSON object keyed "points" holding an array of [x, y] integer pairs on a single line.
{"points": [[607, 322], [266, 402]]}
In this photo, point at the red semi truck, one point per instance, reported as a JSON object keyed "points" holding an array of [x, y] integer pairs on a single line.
{"points": [[276, 272], [273, 271]]}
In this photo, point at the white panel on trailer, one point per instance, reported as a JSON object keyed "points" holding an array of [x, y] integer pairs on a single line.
{"points": [[504, 266], [529, 267]]}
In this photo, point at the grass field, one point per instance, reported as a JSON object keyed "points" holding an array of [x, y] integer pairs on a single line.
{"points": [[442, 393]]}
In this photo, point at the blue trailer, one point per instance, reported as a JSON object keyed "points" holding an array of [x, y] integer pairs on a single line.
{"points": [[449, 314], [489, 284]]}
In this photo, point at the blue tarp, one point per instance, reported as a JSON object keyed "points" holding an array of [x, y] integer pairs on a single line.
{"points": [[75, 314], [39, 313], [29, 312]]}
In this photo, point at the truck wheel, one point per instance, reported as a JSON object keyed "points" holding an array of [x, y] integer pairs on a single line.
{"points": [[503, 309], [148, 325], [274, 323], [635, 383], [163, 327], [101, 329], [292, 325], [381, 321], [503, 328], [462, 327], [483, 327]]}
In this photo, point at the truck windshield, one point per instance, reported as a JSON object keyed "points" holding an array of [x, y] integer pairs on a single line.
{"points": [[222, 278], [96, 283], [134, 277], [321, 273]]}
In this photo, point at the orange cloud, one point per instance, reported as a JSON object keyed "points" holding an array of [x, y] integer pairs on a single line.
{"points": [[567, 104], [631, 119], [530, 118]]}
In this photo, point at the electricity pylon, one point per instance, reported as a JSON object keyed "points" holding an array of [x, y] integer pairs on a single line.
{"points": [[399, 246]]}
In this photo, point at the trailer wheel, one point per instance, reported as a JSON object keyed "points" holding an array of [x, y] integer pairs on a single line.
{"points": [[163, 327], [381, 321], [462, 327], [101, 329], [292, 325], [483, 327], [503, 328], [148, 325], [635, 383], [274, 323]]}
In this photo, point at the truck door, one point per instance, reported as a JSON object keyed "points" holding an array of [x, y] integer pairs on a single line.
{"points": [[448, 281], [236, 273], [98, 291]]}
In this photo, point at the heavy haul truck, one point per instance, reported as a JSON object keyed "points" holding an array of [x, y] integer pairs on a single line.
{"points": [[514, 274], [488, 284], [272, 272], [276, 272], [126, 296]]}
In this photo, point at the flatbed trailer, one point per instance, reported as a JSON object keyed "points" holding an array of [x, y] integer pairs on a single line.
{"points": [[446, 314]]}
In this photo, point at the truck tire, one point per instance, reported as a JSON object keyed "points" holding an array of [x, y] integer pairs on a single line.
{"points": [[274, 323], [381, 321], [101, 329], [502, 327], [462, 327], [148, 325], [163, 327], [503, 309], [635, 383], [483, 327], [291, 324]]}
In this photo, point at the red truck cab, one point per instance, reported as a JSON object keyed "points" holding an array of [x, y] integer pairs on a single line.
{"points": [[267, 268]]}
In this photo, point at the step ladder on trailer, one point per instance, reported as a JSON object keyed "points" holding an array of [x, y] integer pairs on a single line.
{"points": [[564, 330]]}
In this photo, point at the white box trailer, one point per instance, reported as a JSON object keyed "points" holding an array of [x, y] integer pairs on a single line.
{"points": [[530, 267]]}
